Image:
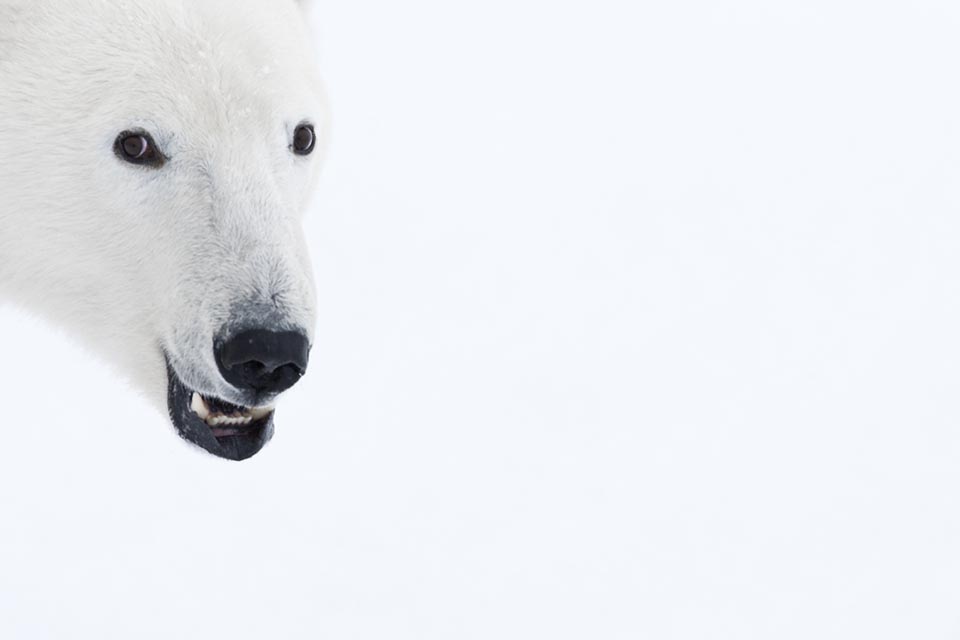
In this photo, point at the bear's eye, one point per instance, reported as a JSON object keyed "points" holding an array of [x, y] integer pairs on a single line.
{"points": [[138, 147], [304, 140]]}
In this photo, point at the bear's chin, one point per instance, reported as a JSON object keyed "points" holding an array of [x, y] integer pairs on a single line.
{"points": [[226, 430]]}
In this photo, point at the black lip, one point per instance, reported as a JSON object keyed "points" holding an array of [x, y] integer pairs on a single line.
{"points": [[192, 429]]}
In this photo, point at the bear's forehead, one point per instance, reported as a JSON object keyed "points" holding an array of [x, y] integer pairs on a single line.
{"points": [[207, 41], [137, 27], [206, 62]]}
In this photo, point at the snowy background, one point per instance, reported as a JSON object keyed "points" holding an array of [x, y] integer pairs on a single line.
{"points": [[639, 320]]}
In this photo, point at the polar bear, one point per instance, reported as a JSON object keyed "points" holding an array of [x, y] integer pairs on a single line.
{"points": [[156, 157]]}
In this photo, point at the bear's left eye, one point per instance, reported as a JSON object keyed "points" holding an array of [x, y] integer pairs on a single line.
{"points": [[138, 147], [304, 140]]}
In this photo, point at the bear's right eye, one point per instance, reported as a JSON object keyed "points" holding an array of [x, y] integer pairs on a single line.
{"points": [[138, 147]]}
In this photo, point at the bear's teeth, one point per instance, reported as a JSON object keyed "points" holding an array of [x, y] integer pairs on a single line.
{"points": [[199, 406], [221, 420], [260, 413]]}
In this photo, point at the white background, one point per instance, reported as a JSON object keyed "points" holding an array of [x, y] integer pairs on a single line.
{"points": [[638, 320]]}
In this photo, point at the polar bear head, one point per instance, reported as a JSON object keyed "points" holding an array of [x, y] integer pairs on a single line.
{"points": [[156, 157]]}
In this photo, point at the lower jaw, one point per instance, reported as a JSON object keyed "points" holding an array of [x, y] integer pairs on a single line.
{"points": [[228, 441], [240, 446]]}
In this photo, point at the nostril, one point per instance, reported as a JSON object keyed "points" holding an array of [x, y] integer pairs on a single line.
{"points": [[263, 361]]}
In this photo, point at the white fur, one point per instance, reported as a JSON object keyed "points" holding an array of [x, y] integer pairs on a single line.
{"points": [[132, 260]]}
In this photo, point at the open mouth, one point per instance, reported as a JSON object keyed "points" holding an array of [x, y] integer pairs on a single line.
{"points": [[226, 430]]}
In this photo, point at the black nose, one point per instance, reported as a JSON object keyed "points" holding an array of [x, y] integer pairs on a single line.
{"points": [[263, 361]]}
